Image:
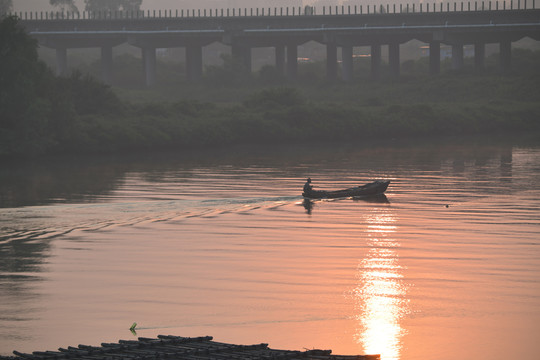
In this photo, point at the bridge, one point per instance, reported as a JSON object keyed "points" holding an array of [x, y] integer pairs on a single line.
{"points": [[284, 29]]}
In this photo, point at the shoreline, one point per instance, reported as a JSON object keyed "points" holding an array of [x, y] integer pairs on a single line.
{"points": [[209, 151], [211, 128]]}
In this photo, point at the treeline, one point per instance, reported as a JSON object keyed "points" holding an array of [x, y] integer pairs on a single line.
{"points": [[44, 114]]}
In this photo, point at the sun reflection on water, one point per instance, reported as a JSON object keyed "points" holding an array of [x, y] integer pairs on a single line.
{"points": [[380, 296]]}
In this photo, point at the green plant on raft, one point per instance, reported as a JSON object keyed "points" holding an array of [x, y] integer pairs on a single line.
{"points": [[132, 329]]}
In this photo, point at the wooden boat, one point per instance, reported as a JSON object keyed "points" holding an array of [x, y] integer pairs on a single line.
{"points": [[374, 188]]}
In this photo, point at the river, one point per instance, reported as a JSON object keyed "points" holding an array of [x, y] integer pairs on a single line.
{"points": [[221, 243]]}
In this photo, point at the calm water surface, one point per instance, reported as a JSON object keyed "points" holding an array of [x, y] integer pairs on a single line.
{"points": [[446, 266]]}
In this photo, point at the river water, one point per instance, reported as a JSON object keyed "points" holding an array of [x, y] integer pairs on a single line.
{"points": [[221, 243]]}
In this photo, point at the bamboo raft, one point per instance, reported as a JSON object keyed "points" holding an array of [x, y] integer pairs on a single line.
{"points": [[176, 347]]}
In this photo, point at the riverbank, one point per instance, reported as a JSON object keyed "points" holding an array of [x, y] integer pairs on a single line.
{"points": [[280, 116]]}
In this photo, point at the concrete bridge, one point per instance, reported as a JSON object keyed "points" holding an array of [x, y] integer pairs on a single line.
{"points": [[284, 29]]}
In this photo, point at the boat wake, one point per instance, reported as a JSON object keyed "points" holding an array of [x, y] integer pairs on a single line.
{"points": [[51, 221]]}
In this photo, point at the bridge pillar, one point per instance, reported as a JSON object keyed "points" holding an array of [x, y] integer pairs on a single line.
{"points": [[106, 64], [457, 56], [479, 56], [280, 59], [376, 60], [505, 49], [149, 61], [331, 61], [292, 61], [434, 58], [61, 61], [242, 54], [347, 62], [194, 64], [393, 54]]}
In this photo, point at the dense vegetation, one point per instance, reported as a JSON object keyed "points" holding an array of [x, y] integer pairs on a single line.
{"points": [[44, 114]]}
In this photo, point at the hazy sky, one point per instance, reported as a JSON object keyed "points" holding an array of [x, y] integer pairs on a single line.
{"points": [[43, 5]]}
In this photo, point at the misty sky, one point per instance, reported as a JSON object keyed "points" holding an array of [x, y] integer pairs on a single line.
{"points": [[43, 5]]}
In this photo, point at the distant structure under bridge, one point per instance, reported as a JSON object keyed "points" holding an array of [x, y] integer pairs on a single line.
{"points": [[341, 28]]}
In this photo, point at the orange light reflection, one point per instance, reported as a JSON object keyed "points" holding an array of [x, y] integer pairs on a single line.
{"points": [[380, 296]]}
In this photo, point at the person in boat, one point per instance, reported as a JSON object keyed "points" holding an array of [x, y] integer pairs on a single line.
{"points": [[307, 186]]}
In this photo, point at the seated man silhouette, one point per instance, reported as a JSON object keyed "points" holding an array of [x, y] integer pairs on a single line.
{"points": [[307, 186]]}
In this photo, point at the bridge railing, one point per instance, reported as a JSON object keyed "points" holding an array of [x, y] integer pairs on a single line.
{"points": [[285, 11]]}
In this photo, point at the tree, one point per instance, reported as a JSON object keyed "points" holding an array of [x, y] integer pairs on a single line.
{"points": [[67, 5], [5, 6], [39, 112], [23, 112], [112, 5]]}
